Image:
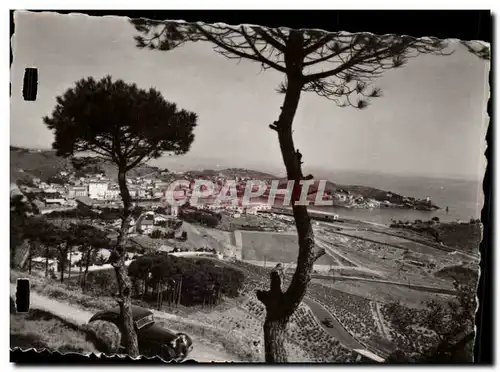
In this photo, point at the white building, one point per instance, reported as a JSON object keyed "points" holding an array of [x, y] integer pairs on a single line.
{"points": [[112, 194], [157, 193], [162, 185], [51, 201], [97, 190], [77, 191]]}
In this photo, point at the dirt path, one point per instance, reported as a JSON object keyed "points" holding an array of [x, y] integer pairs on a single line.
{"points": [[369, 240], [375, 315], [329, 247], [78, 317], [380, 319]]}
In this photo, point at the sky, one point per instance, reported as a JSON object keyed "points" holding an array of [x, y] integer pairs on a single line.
{"points": [[430, 121]]}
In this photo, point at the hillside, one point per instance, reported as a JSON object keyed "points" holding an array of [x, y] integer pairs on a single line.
{"points": [[26, 163], [364, 191], [43, 164], [464, 236], [231, 173]]}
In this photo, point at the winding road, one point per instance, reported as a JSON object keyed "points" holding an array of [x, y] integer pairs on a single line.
{"points": [[336, 330]]}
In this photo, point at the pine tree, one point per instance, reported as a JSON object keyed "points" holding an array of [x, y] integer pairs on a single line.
{"points": [[338, 66], [124, 126]]}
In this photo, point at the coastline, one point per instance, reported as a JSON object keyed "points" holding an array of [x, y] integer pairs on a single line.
{"points": [[332, 214], [377, 216]]}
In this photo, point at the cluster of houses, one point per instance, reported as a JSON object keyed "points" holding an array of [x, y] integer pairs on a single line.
{"points": [[94, 190], [236, 210], [100, 187]]}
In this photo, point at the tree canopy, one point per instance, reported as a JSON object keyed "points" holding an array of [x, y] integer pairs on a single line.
{"points": [[339, 66], [119, 122]]}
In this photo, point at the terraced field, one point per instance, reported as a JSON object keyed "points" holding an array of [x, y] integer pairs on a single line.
{"points": [[275, 247]]}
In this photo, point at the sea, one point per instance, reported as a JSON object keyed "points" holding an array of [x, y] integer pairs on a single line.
{"points": [[464, 198]]}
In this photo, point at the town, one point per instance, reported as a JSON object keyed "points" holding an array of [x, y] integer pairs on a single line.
{"points": [[65, 190]]}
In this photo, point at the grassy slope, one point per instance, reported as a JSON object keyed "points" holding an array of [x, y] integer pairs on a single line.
{"points": [[41, 330], [466, 237], [236, 325], [216, 332], [462, 236]]}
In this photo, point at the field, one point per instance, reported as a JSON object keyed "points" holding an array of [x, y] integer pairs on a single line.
{"points": [[274, 247], [201, 236], [260, 222], [383, 292], [42, 330], [415, 264], [383, 238]]}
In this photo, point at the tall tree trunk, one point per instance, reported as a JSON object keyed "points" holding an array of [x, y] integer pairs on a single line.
{"points": [[80, 270], [274, 340], [30, 257], [62, 261], [158, 296], [62, 270], [180, 292], [47, 261], [281, 305], [117, 259], [69, 263], [87, 264]]}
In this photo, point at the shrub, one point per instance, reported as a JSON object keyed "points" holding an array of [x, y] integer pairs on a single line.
{"points": [[206, 218], [156, 234], [105, 336]]}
